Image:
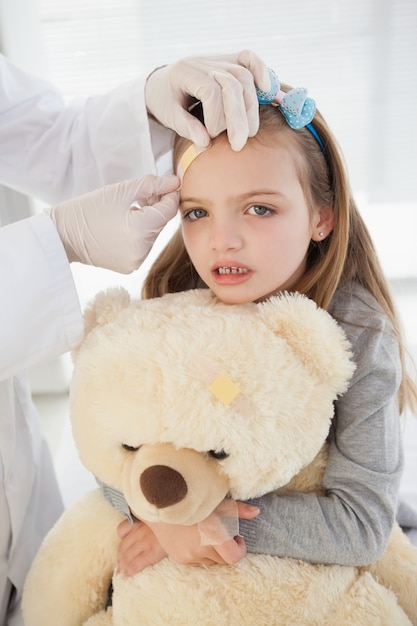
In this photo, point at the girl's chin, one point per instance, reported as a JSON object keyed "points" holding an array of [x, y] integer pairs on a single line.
{"points": [[238, 296], [230, 296]]}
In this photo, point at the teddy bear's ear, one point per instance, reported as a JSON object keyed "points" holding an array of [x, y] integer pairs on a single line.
{"points": [[104, 308], [313, 335]]}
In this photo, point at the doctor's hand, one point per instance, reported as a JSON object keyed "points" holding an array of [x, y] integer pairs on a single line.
{"points": [[116, 226], [225, 85]]}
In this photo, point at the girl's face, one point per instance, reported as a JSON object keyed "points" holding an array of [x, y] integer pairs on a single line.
{"points": [[245, 222]]}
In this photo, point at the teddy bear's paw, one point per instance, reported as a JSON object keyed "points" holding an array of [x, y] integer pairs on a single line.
{"points": [[105, 307]]}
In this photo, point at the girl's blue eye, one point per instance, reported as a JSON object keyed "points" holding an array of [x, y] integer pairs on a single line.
{"points": [[195, 214], [259, 209]]}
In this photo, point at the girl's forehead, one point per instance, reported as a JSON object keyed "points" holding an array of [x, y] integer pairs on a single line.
{"points": [[264, 158], [220, 174], [279, 137]]}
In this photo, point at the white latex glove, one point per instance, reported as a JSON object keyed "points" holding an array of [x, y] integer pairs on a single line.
{"points": [[116, 226], [225, 85]]}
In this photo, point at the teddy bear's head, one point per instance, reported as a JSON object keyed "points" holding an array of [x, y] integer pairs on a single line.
{"points": [[181, 400]]}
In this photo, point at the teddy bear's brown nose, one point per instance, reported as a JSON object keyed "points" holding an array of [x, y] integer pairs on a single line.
{"points": [[162, 486]]}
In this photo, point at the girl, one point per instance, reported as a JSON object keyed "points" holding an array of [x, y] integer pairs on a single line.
{"points": [[279, 215]]}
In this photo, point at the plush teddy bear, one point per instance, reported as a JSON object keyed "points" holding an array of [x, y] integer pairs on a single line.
{"points": [[181, 403]]}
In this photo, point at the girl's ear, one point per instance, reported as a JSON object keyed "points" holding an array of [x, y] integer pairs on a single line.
{"points": [[323, 224]]}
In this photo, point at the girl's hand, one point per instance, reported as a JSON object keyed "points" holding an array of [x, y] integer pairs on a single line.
{"points": [[138, 548], [146, 544]]}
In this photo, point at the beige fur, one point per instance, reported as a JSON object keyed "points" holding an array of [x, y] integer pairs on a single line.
{"points": [[143, 378]]}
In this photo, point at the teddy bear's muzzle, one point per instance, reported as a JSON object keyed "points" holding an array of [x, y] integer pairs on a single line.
{"points": [[164, 484]]}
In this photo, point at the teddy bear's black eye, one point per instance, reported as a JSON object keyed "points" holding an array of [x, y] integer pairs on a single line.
{"points": [[126, 446], [218, 454]]}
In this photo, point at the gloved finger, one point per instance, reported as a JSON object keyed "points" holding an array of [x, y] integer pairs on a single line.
{"points": [[149, 220], [209, 93], [233, 105], [204, 88], [188, 126], [241, 110], [257, 68], [247, 59], [249, 95], [151, 188], [250, 70]]}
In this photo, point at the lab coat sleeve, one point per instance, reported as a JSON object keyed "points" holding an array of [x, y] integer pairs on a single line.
{"points": [[40, 310], [55, 151]]}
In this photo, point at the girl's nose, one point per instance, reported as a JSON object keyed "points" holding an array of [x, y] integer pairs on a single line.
{"points": [[225, 236]]}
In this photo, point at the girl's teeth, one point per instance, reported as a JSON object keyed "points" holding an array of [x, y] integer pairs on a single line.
{"points": [[232, 270]]}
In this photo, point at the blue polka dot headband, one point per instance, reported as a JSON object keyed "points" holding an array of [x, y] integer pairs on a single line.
{"points": [[297, 109]]}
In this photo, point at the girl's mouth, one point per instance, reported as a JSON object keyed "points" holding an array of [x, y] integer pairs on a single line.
{"points": [[231, 274], [231, 270]]}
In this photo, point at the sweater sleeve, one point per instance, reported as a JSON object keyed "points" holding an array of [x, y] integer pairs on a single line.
{"points": [[351, 523]]}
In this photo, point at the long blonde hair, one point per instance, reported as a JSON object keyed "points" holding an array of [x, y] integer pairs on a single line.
{"points": [[347, 254]]}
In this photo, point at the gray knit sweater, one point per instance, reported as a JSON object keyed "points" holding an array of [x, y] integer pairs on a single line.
{"points": [[351, 523]]}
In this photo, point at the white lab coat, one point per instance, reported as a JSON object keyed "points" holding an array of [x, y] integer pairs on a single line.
{"points": [[53, 152]]}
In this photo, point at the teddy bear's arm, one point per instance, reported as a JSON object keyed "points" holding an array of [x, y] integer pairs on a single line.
{"points": [[70, 577]]}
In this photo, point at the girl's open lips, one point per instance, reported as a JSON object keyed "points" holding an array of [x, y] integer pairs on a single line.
{"points": [[230, 274], [232, 270]]}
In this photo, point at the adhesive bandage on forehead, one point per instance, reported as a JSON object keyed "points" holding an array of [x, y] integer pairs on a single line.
{"points": [[187, 158]]}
